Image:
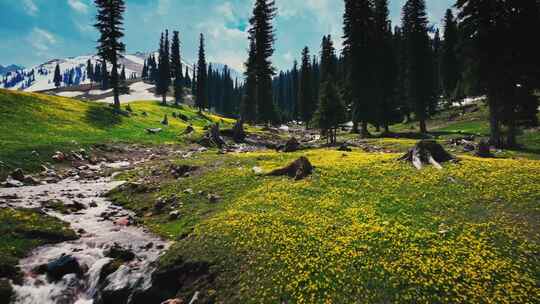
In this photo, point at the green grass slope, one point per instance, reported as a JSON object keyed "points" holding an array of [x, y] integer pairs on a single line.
{"points": [[42, 123]]}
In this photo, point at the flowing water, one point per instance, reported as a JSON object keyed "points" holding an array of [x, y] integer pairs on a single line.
{"points": [[98, 232]]}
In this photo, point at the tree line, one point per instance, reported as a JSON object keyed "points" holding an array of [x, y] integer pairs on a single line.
{"points": [[383, 75]]}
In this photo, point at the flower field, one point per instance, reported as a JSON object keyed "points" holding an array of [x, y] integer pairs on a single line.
{"points": [[363, 229]]}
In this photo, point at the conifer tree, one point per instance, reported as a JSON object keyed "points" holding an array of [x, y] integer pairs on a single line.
{"points": [[488, 25], [110, 48], [176, 67], [144, 73], [449, 59], [89, 70], [249, 105], [187, 79], [57, 76], [330, 112], [294, 91], [202, 97], [419, 60], [358, 49], [164, 72], [305, 91], [262, 32]]}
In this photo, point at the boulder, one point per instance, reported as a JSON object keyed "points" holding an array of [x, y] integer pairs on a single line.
{"points": [[182, 170], [118, 252], [484, 149], [189, 129], [213, 198], [17, 174], [173, 215], [344, 147], [153, 130], [12, 183], [59, 156], [65, 264]]}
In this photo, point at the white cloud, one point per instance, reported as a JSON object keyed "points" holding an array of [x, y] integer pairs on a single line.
{"points": [[226, 10], [225, 45], [289, 57], [78, 6], [41, 40], [30, 7]]}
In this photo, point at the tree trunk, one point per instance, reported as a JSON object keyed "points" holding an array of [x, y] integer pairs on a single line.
{"points": [[364, 131], [114, 80], [354, 129], [423, 128], [511, 141], [386, 129], [494, 126], [164, 99]]}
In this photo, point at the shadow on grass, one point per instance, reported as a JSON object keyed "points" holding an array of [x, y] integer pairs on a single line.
{"points": [[102, 117]]}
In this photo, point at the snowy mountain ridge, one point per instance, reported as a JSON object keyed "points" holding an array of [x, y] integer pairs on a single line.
{"points": [[40, 77]]}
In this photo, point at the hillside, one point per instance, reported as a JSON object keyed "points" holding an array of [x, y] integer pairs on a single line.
{"points": [[45, 124]]}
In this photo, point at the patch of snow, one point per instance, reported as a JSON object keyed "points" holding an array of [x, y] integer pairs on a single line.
{"points": [[70, 94], [99, 92], [468, 101], [138, 91]]}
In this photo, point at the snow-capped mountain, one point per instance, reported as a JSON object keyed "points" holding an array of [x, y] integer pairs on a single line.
{"points": [[10, 68], [73, 71], [40, 77]]}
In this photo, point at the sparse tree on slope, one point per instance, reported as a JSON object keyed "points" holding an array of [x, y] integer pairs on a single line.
{"points": [[110, 48], [164, 71], [176, 67], [202, 97], [57, 76]]}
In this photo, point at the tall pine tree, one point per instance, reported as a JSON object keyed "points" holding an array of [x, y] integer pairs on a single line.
{"points": [[176, 67], [202, 97], [249, 105], [419, 60], [109, 23], [449, 59], [359, 30], [262, 32], [164, 69], [306, 103]]}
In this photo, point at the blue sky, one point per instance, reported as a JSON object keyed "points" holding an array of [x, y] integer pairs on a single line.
{"points": [[34, 31]]}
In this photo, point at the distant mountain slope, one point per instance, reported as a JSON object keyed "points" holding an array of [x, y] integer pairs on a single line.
{"points": [[10, 68], [40, 77]]}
